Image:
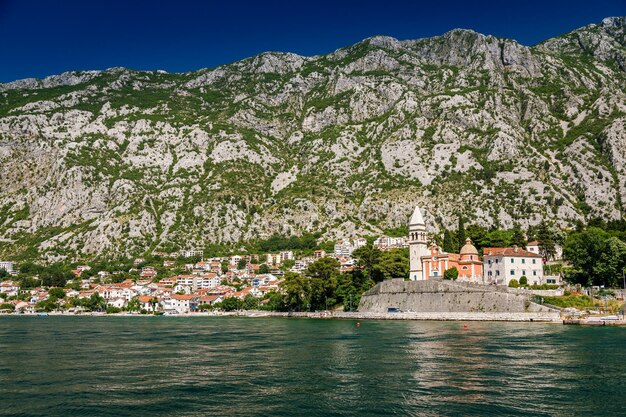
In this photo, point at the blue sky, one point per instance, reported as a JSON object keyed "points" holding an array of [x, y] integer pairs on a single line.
{"points": [[43, 37]]}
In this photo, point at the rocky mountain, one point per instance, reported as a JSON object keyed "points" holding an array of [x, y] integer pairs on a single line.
{"points": [[123, 161]]}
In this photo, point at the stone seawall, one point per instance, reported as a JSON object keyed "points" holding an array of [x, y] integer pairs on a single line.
{"points": [[438, 296], [541, 317]]}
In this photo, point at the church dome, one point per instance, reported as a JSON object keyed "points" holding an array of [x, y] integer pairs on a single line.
{"points": [[468, 248]]}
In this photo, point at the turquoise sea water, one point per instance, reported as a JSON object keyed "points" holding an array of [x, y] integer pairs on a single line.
{"points": [[137, 366]]}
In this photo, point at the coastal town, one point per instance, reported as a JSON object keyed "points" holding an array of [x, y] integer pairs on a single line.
{"points": [[185, 282]]}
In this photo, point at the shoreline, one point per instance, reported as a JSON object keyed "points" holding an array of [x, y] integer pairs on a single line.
{"points": [[531, 317]]}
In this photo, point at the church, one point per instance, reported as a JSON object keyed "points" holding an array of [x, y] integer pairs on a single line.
{"points": [[430, 262]]}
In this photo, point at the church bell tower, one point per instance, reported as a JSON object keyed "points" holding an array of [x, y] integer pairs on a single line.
{"points": [[417, 245]]}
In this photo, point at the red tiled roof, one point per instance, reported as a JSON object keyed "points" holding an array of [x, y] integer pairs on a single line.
{"points": [[184, 296], [519, 252]]}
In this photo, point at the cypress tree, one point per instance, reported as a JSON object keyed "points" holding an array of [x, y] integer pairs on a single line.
{"points": [[449, 241], [460, 234]]}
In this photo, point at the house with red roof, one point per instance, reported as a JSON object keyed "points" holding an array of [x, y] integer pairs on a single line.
{"points": [[501, 265]]}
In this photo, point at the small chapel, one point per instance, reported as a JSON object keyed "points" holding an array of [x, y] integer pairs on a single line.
{"points": [[431, 262]]}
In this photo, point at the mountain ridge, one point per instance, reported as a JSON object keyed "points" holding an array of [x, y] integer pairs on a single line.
{"points": [[123, 161]]}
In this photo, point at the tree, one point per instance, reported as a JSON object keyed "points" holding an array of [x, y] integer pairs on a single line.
{"points": [[612, 262], [366, 258], [323, 275], [287, 264], [250, 302], [548, 236], [513, 283], [297, 291], [95, 303], [264, 269], [230, 304], [496, 239], [28, 282], [224, 267], [523, 281], [3, 273], [517, 238], [241, 264], [460, 234], [46, 305], [134, 304], [392, 264], [585, 250], [55, 276], [154, 302], [7, 306], [56, 293], [451, 274], [450, 241]]}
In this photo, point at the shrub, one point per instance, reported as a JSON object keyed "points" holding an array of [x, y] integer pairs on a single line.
{"points": [[451, 274], [513, 283], [113, 310], [523, 281]]}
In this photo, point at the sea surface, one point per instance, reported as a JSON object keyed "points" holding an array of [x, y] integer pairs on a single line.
{"points": [[224, 366]]}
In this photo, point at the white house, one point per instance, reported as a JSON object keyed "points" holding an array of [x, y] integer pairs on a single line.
{"points": [[7, 266], [117, 302], [181, 303], [501, 265], [9, 288]]}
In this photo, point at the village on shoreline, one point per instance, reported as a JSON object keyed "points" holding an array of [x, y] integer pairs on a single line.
{"points": [[318, 284]]}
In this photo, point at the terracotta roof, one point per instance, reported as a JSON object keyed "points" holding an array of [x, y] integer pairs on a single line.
{"points": [[533, 243], [519, 252], [468, 248], [208, 298], [184, 296]]}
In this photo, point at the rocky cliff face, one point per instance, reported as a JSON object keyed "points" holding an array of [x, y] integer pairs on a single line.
{"points": [[122, 161]]}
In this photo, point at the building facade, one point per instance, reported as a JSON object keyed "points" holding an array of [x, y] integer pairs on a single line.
{"points": [[501, 265], [468, 263], [418, 247], [7, 266]]}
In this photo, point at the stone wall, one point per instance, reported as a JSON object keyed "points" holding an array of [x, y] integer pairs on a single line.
{"points": [[438, 296]]}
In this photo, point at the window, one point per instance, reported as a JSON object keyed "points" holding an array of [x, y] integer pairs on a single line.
{"points": [[512, 260], [498, 273], [512, 272], [524, 273], [496, 260], [489, 261], [534, 261], [552, 281], [523, 260], [535, 273], [435, 273]]}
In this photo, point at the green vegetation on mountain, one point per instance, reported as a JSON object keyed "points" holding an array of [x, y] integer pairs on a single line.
{"points": [[279, 150]]}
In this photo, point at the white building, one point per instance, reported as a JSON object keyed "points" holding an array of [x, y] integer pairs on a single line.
{"points": [[9, 288], [386, 242], [117, 302], [359, 242], [418, 246], [7, 266], [190, 253], [501, 265], [343, 247], [190, 283], [286, 256], [181, 303], [273, 259], [534, 247]]}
